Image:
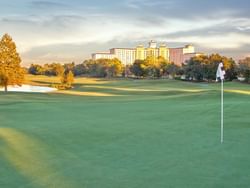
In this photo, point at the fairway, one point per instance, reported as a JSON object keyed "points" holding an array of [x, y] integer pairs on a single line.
{"points": [[125, 134]]}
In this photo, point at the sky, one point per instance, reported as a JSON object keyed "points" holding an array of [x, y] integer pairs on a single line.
{"points": [[64, 31]]}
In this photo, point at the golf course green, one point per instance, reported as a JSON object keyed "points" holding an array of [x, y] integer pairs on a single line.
{"points": [[125, 134]]}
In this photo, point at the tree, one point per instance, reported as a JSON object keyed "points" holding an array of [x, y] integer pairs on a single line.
{"points": [[204, 67], [172, 70], [138, 68], [152, 67], [11, 72], [193, 69], [114, 67], [36, 69], [103, 67], [163, 64], [100, 68], [213, 62], [155, 66], [244, 68], [53, 69], [81, 69], [69, 66], [58, 69], [68, 78]]}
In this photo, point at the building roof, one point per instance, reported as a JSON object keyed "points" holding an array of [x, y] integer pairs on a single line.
{"points": [[123, 48], [108, 53], [178, 48]]}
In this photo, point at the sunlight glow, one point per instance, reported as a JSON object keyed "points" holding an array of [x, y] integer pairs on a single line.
{"points": [[244, 92], [27, 155], [90, 94], [144, 89]]}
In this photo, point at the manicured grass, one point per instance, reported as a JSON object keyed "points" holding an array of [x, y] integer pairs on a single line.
{"points": [[125, 134]]}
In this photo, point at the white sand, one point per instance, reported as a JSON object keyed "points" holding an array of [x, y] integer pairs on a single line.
{"points": [[30, 89]]}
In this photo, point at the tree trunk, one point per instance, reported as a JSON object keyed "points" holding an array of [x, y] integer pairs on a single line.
{"points": [[6, 88]]}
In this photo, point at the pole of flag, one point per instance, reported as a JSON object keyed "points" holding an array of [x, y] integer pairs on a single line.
{"points": [[220, 74], [222, 113]]}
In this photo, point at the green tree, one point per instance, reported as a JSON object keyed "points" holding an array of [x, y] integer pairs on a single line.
{"points": [[204, 67], [244, 68], [100, 68], [211, 65], [139, 68], [36, 69], [193, 69], [172, 70], [11, 72], [81, 69], [69, 66]]}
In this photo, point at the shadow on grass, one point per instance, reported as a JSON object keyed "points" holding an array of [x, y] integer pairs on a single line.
{"points": [[101, 90], [27, 156]]}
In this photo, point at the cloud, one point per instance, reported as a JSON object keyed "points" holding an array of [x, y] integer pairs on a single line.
{"points": [[47, 4], [43, 28], [228, 41], [68, 31], [243, 28], [140, 4]]}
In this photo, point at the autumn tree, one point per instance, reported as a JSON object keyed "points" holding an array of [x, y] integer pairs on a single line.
{"points": [[70, 78], [11, 72], [114, 67], [67, 78], [103, 67], [152, 66], [53, 69], [59, 69]]}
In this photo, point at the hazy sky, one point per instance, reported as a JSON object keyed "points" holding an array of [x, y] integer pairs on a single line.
{"points": [[70, 30]]}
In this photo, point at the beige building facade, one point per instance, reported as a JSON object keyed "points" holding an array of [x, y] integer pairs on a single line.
{"points": [[125, 55], [180, 55], [103, 55], [129, 55]]}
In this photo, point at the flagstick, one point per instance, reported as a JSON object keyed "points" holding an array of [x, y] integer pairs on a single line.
{"points": [[222, 101]]}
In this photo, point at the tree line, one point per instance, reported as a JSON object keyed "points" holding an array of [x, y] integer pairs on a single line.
{"points": [[98, 68], [108, 68], [64, 72], [203, 68], [199, 68]]}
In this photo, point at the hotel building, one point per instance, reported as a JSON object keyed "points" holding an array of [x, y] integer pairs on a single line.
{"points": [[129, 55], [125, 55], [103, 55]]}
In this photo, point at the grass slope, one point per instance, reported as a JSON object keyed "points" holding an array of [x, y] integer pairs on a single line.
{"points": [[125, 133]]}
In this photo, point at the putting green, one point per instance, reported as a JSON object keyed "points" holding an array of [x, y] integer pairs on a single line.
{"points": [[125, 133]]}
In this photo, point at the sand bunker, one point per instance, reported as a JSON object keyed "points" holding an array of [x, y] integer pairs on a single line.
{"points": [[30, 89]]}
